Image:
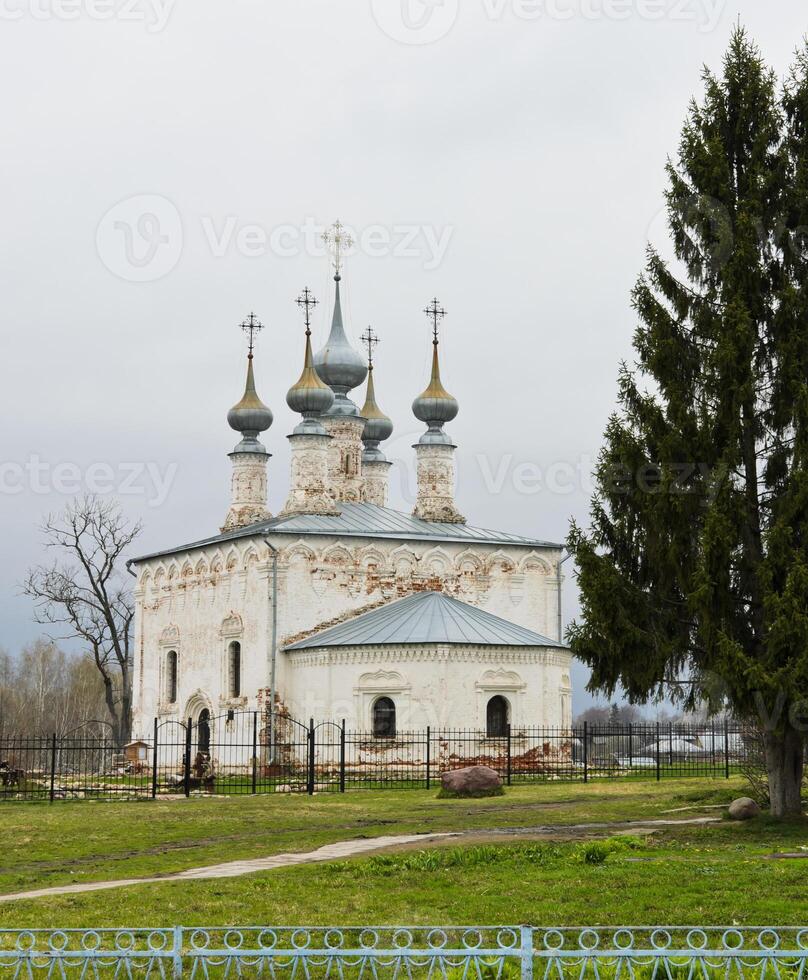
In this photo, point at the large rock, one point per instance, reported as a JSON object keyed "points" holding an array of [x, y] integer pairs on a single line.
{"points": [[744, 808], [472, 781]]}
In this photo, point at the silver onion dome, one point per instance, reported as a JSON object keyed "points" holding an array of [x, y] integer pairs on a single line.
{"points": [[435, 406], [310, 396], [339, 365], [250, 416], [378, 426]]}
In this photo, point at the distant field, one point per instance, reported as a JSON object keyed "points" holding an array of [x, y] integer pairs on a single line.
{"points": [[678, 875]]}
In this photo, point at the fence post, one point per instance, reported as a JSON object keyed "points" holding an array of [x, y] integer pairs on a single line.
{"points": [[255, 753], [310, 774], [428, 760], [177, 953], [187, 760], [509, 755], [670, 744], [586, 751], [53, 766], [342, 757], [630, 747], [726, 749], [526, 952], [658, 773], [154, 763]]}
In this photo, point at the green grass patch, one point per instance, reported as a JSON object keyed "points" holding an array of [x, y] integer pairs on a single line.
{"points": [[691, 874], [477, 794]]}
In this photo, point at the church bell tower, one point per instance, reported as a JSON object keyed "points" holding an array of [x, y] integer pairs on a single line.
{"points": [[435, 450], [342, 368]]}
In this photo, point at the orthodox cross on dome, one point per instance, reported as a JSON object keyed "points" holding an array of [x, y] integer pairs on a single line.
{"points": [[338, 241], [252, 326], [307, 301], [436, 313], [370, 340]]}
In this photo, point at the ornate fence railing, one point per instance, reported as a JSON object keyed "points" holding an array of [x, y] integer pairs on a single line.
{"points": [[481, 952], [241, 752]]}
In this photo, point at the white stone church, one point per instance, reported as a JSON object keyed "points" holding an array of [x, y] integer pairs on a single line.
{"points": [[339, 607]]}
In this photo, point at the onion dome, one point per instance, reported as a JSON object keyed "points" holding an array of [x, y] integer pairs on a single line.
{"points": [[250, 416], [435, 405], [310, 396], [339, 365], [378, 426]]}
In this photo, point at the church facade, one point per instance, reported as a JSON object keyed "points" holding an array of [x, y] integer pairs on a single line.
{"points": [[340, 607]]}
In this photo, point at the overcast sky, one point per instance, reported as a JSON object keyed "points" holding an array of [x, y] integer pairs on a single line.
{"points": [[167, 166]]}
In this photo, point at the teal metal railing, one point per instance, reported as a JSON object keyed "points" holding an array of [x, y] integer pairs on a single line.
{"points": [[481, 952]]}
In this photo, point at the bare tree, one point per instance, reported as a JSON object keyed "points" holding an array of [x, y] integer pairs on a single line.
{"points": [[84, 592]]}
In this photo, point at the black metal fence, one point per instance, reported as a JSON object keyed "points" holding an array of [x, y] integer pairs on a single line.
{"points": [[248, 752]]}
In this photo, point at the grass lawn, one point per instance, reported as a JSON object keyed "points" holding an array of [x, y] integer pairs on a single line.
{"points": [[714, 874]]}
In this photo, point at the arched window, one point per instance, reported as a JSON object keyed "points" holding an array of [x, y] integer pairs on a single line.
{"points": [[496, 720], [203, 732], [234, 670], [171, 677], [384, 718]]}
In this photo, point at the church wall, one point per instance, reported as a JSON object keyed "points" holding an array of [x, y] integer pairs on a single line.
{"points": [[446, 687], [200, 601], [330, 578], [198, 604]]}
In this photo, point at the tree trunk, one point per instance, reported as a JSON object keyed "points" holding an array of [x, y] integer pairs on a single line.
{"points": [[784, 763], [112, 708], [126, 710]]}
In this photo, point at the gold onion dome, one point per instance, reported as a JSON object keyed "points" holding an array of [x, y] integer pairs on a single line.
{"points": [[435, 405], [250, 416], [310, 396], [378, 426]]}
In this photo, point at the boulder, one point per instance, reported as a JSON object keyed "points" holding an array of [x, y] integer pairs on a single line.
{"points": [[744, 808], [471, 781]]}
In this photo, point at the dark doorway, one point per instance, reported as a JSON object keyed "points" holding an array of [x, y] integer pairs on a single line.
{"points": [[203, 732], [497, 717]]}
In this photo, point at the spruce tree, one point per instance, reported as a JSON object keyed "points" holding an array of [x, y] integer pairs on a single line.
{"points": [[694, 574]]}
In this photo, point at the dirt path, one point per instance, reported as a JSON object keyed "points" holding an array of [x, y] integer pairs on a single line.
{"points": [[351, 848]]}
